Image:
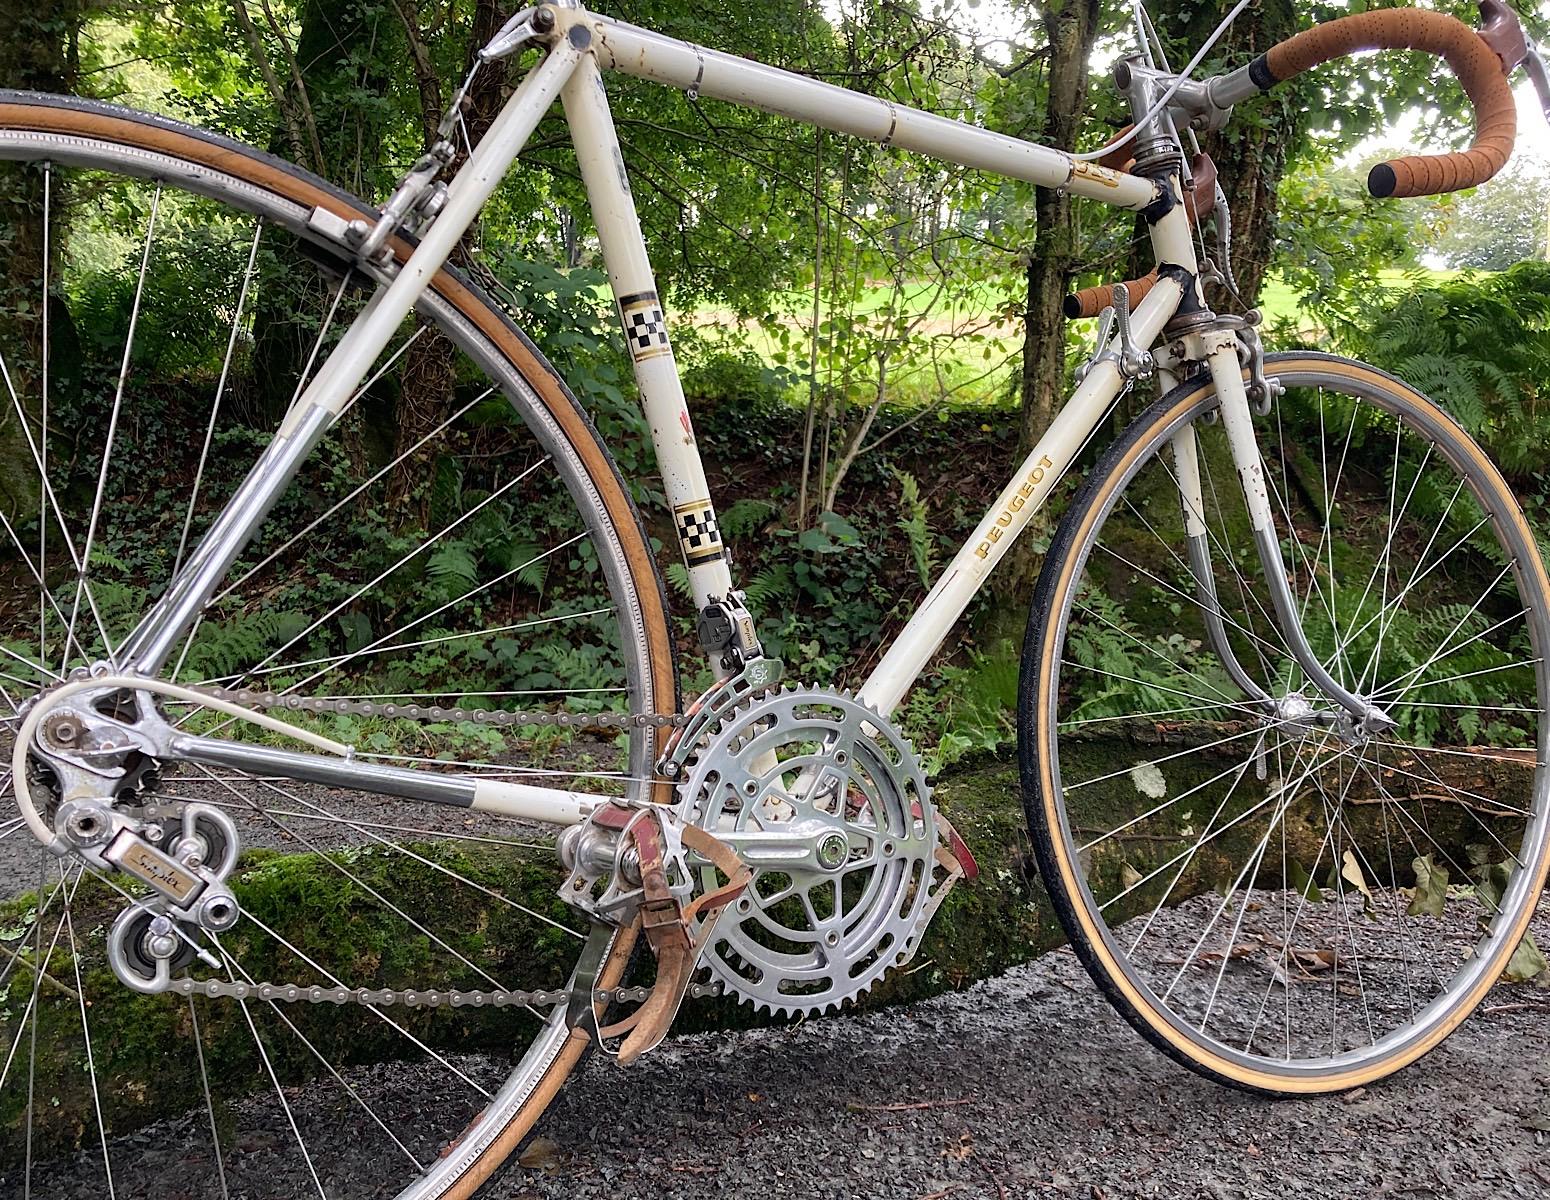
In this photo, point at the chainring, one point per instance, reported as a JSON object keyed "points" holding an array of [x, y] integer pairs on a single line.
{"points": [[813, 762]]}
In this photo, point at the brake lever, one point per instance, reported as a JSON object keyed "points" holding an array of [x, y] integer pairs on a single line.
{"points": [[1502, 31], [1534, 64]]}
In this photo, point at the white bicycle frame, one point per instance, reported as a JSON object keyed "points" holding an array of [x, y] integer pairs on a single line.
{"points": [[580, 46]]}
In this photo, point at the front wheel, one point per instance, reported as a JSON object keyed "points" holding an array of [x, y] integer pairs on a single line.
{"points": [[1277, 898]]}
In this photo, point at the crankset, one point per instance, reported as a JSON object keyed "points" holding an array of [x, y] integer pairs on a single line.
{"points": [[826, 801]]}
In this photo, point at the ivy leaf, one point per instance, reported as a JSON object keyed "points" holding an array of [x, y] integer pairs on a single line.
{"points": [[1297, 875], [816, 541], [1431, 888], [839, 528], [356, 628]]}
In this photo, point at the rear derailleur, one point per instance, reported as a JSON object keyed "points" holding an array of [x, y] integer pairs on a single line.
{"points": [[93, 760]]}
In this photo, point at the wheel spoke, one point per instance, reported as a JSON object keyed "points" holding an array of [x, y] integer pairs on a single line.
{"points": [[455, 527]]}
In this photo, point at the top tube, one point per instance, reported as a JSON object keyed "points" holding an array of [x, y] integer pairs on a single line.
{"points": [[644, 54]]}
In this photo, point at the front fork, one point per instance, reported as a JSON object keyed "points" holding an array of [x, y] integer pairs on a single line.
{"points": [[1219, 349]]}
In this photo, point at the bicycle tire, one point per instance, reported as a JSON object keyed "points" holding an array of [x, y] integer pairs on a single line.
{"points": [[42, 128]]}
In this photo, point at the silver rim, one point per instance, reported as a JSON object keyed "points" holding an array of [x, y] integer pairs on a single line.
{"points": [[44, 640], [1279, 925]]}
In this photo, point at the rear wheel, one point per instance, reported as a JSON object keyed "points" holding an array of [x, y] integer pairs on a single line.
{"points": [[1278, 900], [460, 540]]}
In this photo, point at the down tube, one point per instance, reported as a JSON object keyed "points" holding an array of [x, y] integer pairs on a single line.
{"points": [[1009, 516]]}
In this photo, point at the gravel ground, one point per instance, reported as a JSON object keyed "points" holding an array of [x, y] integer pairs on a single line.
{"points": [[1022, 1086], [1028, 1085]]}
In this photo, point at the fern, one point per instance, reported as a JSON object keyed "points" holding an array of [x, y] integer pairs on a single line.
{"points": [[916, 527], [678, 579], [771, 586], [1479, 346], [230, 646], [453, 567], [746, 516]]}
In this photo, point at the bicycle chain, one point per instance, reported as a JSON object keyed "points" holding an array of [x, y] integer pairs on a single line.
{"points": [[425, 997], [415, 997], [284, 702]]}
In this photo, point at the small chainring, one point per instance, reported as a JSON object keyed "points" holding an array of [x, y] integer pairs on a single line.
{"points": [[824, 767]]}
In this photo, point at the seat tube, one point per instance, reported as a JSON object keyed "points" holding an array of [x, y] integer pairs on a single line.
{"points": [[645, 333], [1221, 348]]}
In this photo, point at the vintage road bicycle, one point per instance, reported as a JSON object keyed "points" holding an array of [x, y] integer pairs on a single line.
{"points": [[1295, 842]]}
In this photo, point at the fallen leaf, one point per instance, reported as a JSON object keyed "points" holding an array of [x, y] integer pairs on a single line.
{"points": [[1526, 962], [1128, 876], [1149, 781], [1431, 888], [964, 1148], [541, 1154], [1351, 872]]}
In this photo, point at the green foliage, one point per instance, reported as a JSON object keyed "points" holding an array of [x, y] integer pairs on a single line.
{"points": [[1494, 227], [961, 709], [916, 528], [1480, 346], [1334, 240], [1135, 669]]}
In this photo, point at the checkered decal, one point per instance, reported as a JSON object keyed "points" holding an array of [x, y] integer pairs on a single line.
{"points": [[698, 532], [645, 325]]}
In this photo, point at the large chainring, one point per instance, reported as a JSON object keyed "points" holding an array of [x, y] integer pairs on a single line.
{"points": [[822, 767]]}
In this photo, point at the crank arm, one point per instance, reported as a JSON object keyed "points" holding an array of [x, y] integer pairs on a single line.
{"points": [[811, 845]]}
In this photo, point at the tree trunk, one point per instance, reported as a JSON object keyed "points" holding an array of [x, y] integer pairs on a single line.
{"points": [[1071, 27], [39, 52], [327, 74], [1251, 155], [429, 371]]}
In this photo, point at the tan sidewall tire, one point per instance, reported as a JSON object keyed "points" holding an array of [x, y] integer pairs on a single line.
{"points": [[69, 117], [1061, 873]]}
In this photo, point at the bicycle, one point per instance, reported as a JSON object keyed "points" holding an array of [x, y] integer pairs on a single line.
{"points": [[775, 844]]}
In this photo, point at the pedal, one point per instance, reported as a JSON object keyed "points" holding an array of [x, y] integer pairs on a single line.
{"points": [[955, 862], [667, 921]]}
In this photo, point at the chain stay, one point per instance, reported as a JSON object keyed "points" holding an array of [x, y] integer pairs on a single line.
{"points": [[427, 997]]}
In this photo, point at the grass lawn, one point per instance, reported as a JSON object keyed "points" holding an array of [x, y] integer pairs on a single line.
{"points": [[962, 348]]}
